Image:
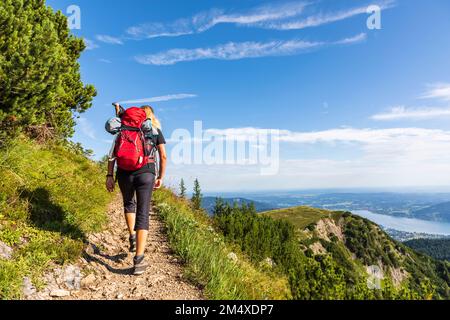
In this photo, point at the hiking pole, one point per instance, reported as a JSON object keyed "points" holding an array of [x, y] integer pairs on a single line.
{"points": [[119, 109]]}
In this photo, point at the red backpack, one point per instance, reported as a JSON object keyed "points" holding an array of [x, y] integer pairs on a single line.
{"points": [[130, 143]]}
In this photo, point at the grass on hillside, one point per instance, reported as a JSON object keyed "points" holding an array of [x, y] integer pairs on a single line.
{"points": [[300, 217], [50, 198], [205, 254]]}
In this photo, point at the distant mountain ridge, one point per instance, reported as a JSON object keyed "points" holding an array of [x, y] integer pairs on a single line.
{"points": [[423, 206], [437, 212], [209, 202]]}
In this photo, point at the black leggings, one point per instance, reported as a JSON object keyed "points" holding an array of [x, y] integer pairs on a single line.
{"points": [[141, 184]]}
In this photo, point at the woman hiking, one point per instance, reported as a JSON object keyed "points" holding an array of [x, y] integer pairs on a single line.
{"points": [[136, 185]]}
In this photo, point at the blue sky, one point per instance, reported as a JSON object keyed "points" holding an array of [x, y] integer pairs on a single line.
{"points": [[356, 107]]}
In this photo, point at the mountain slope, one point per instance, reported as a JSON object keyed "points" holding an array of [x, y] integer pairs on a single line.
{"points": [[436, 248], [357, 244], [51, 196], [220, 268]]}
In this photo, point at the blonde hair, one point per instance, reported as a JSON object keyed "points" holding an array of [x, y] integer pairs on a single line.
{"points": [[151, 114]]}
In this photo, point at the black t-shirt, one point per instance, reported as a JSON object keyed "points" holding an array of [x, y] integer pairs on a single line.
{"points": [[149, 167]]}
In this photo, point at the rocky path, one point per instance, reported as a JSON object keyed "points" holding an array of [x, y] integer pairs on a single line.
{"points": [[105, 271]]}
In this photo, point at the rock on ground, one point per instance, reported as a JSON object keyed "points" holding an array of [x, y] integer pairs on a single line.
{"points": [[59, 293], [27, 287], [5, 251]]}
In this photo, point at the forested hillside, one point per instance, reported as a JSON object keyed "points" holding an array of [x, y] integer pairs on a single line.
{"points": [[326, 255], [436, 248]]}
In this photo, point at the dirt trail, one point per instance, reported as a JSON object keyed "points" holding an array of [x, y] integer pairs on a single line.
{"points": [[106, 268]]}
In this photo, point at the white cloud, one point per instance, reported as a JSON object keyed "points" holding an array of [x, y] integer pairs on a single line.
{"points": [[160, 98], [105, 60], [90, 44], [364, 136], [238, 50], [403, 113], [322, 19], [315, 20], [385, 157], [439, 91], [358, 38], [207, 20], [109, 39], [265, 13], [269, 16], [436, 91], [314, 174]]}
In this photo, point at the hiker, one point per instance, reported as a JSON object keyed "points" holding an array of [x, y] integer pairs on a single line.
{"points": [[138, 139]]}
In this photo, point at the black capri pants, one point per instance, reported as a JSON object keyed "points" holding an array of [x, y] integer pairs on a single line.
{"points": [[141, 184]]}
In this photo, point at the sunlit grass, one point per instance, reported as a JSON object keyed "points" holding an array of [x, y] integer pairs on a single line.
{"points": [[205, 254], [50, 198]]}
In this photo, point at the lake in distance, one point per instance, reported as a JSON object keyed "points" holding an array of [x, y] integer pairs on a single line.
{"points": [[406, 224]]}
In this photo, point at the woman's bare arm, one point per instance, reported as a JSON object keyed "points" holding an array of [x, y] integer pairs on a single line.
{"points": [[111, 164], [110, 176], [163, 161], [162, 165]]}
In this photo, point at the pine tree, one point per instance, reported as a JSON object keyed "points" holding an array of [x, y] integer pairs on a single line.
{"points": [[182, 193], [219, 207], [40, 81], [197, 196]]}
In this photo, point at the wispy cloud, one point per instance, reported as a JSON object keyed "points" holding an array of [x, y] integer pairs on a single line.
{"points": [[90, 44], [355, 39], [436, 91], [439, 91], [160, 98], [105, 60], [365, 136], [394, 157], [207, 20], [238, 50], [278, 17], [322, 18], [403, 113], [399, 145], [109, 39]]}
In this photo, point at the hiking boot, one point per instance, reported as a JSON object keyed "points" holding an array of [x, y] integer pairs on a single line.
{"points": [[133, 243], [140, 265]]}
